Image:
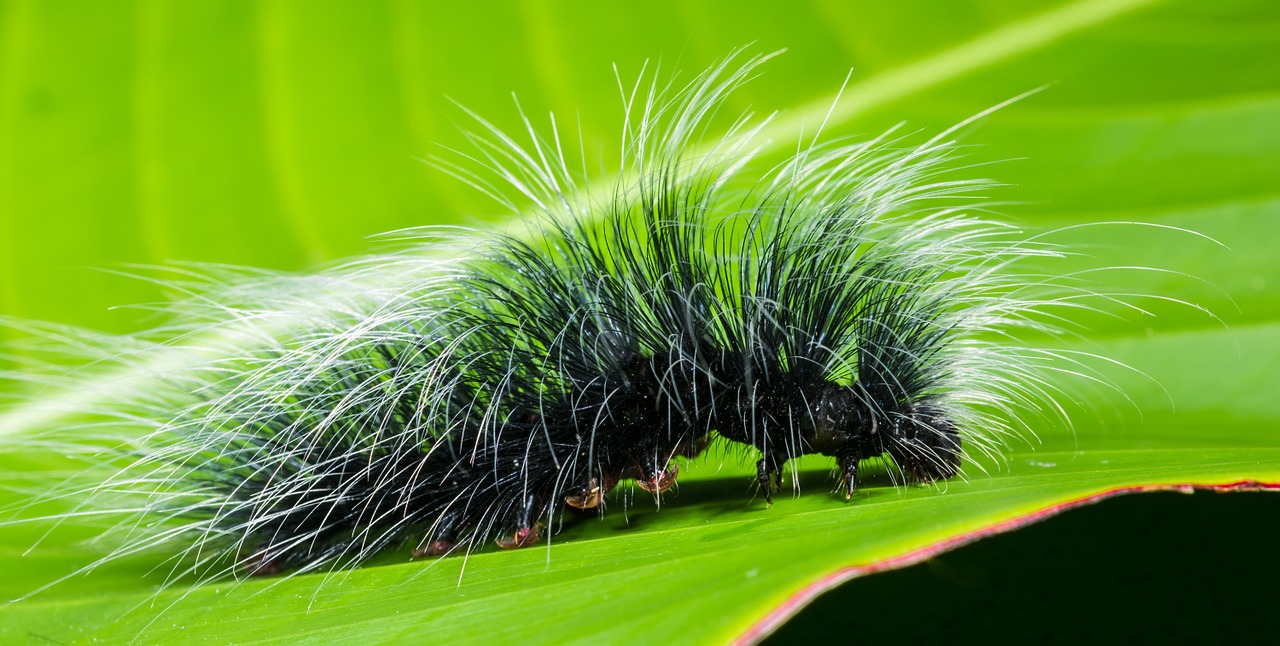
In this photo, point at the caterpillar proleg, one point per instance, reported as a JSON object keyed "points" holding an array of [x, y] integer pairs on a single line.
{"points": [[853, 301]]}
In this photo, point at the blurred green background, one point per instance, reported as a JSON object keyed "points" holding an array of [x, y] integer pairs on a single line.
{"points": [[283, 134]]}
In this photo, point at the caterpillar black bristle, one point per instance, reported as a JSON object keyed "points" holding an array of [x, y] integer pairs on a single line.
{"points": [[842, 303]]}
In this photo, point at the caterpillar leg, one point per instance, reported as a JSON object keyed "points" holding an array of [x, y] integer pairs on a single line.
{"points": [[592, 494], [442, 539], [657, 481], [526, 531], [437, 547], [259, 564], [848, 475], [520, 537], [767, 472]]}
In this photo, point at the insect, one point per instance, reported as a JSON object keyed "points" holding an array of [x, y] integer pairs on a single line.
{"points": [[844, 302]]}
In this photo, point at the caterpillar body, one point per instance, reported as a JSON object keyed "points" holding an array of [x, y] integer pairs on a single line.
{"points": [[841, 303]]}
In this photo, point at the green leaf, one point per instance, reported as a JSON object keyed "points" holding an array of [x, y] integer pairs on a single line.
{"points": [[279, 134]]}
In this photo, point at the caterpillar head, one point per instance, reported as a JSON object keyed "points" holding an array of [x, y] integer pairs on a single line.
{"points": [[922, 440]]}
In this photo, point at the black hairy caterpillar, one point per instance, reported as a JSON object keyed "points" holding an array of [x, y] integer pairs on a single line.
{"points": [[841, 303]]}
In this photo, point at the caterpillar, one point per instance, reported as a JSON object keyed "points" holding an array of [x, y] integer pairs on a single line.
{"points": [[853, 301]]}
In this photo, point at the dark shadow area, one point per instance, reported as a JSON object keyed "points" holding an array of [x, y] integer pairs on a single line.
{"points": [[1147, 568], [727, 496]]}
